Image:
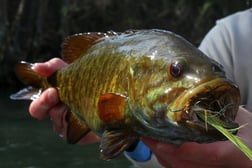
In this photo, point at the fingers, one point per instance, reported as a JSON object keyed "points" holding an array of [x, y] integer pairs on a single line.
{"points": [[198, 152], [49, 98], [187, 151], [155, 145], [166, 156], [57, 115], [48, 105], [217, 154], [47, 68], [192, 154], [40, 107], [163, 155]]}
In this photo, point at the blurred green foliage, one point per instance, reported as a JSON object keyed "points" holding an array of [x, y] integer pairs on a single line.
{"points": [[33, 30]]}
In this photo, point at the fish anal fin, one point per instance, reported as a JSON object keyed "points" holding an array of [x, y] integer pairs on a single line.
{"points": [[76, 45], [75, 128], [111, 107], [113, 143]]}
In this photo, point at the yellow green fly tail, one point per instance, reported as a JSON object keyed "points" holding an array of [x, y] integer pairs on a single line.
{"points": [[233, 138], [228, 133]]}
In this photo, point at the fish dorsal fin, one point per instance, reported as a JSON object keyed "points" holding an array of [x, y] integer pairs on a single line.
{"points": [[111, 107], [75, 128], [115, 142], [76, 45]]}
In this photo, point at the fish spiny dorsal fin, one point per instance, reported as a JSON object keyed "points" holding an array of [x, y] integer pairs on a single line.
{"points": [[76, 45], [114, 142], [75, 128]]}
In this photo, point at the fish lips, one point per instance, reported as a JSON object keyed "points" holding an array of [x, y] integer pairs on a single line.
{"points": [[218, 98]]}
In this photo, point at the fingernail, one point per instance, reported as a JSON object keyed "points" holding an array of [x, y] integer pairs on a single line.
{"points": [[33, 66]]}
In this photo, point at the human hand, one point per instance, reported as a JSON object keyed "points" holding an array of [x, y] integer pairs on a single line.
{"points": [[49, 105], [220, 154]]}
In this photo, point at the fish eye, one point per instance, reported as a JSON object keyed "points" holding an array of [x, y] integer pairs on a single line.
{"points": [[176, 69]]}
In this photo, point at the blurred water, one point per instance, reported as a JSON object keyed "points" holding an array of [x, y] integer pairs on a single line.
{"points": [[28, 143]]}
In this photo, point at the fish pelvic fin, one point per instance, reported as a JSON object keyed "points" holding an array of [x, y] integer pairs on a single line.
{"points": [[114, 142], [77, 45], [25, 73], [75, 128]]}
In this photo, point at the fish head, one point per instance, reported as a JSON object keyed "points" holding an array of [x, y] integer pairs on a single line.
{"points": [[206, 93], [190, 89], [207, 90]]}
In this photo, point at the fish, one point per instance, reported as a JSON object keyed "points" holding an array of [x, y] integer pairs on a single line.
{"points": [[139, 83]]}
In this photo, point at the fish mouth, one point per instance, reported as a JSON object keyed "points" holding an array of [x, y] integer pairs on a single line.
{"points": [[217, 98]]}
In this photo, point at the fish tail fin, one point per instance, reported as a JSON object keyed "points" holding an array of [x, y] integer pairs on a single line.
{"points": [[29, 77], [29, 93]]}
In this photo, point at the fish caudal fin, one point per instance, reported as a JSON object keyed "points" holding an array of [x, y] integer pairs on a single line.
{"points": [[28, 76], [115, 142], [28, 93], [75, 128]]}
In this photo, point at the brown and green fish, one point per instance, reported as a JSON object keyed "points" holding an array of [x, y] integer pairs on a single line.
{"points": [[150, 83]]}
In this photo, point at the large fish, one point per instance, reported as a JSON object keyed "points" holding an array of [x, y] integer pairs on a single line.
{"points": [[150, 83]]}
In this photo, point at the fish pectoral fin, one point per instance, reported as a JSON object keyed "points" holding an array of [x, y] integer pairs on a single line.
{"points": [[76, 45], [115, 142], [75, 128], [111, 107]]}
